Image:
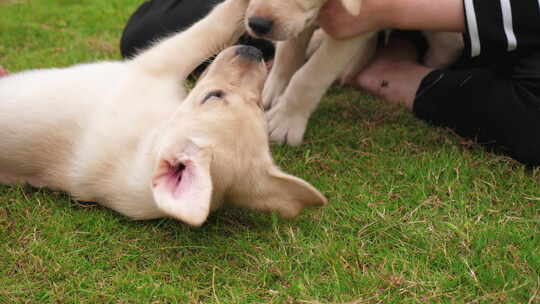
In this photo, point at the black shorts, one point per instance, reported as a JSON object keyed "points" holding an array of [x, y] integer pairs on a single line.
{"points": [[493, 95], [156, 19]]}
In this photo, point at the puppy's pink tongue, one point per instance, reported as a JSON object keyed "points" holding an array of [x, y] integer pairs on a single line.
{"points": [[3, 72]]}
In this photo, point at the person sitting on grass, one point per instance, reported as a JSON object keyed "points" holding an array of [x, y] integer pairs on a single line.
{"points": [[492, 95]]}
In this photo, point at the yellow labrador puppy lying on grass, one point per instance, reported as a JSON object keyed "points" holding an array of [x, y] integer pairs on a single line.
{"points": [[294, 89], [128, 136]]}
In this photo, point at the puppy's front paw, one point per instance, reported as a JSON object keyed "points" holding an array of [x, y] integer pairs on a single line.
{"points": [[286, 126], [273, 88]]}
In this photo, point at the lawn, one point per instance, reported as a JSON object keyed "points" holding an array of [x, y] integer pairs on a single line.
{"points": [[416, 213]]}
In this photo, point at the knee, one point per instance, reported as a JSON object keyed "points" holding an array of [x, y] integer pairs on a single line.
{"points": [[155, 19], [136, 34]]}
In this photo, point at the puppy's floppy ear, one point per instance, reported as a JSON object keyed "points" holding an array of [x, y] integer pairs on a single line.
{"points": [[352, 6], [182, 184], [284, 193]]}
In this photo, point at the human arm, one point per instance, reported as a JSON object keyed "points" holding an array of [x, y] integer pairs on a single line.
{"points": [[446, 15]]}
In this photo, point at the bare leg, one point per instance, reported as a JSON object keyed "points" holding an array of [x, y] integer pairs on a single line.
{"points": [[394, 74]]}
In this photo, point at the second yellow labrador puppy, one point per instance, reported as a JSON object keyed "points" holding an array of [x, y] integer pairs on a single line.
{"points": [[294, 89]]}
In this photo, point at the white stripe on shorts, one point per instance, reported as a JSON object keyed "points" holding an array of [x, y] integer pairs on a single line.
{"points": [[508, 24], [473, 28]]}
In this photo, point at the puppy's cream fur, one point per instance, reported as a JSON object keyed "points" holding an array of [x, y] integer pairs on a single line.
{"points": [[128, 136], [294, 88]]}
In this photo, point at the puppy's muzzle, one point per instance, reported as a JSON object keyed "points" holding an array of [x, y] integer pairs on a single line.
{"points": [[260, 26], [249, 53]]}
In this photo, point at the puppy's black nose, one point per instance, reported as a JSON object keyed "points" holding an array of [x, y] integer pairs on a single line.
{"points": [[249, 52], [260, 26]]}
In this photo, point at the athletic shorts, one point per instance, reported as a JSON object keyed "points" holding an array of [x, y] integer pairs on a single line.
{"points": [[156, 19], [493, 94]]}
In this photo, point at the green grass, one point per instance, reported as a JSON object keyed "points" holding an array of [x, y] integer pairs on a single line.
{"points": [[416, 214]]}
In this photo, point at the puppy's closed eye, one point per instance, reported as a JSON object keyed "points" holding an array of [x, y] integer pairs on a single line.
{"points": [[214, 95]]}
